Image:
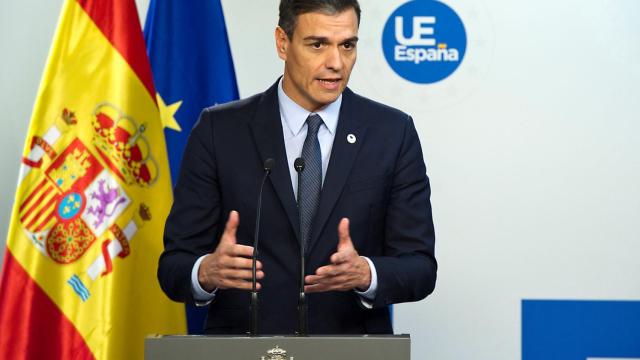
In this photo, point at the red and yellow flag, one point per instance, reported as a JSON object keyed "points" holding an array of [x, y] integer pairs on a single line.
{"points": [[78, 279]]}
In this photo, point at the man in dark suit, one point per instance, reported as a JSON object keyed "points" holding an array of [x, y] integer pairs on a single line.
{"points": [[361, 212]]}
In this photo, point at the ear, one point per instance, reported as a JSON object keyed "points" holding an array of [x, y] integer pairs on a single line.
{"points": [[282, 43]]}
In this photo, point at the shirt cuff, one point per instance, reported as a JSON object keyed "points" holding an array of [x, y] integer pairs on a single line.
{"points": [[367, 296], [201, 296]]}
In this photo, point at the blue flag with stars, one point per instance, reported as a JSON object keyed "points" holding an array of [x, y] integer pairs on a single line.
{"points": [[192, 69], [191, 63]]}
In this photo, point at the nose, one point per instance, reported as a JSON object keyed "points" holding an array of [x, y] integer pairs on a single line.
{"points": [[333, 59]]}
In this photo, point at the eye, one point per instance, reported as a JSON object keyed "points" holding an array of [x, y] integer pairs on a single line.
{"points": [[349, 45], [316, 45]]}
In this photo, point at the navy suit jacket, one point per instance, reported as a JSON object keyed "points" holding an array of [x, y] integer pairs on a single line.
{"points": [[379, 183]]}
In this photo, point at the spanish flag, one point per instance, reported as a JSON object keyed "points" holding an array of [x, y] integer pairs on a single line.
{"points": [[94, 189]]}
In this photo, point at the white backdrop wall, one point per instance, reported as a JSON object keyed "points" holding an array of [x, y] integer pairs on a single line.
{"points": [[532, 147]]}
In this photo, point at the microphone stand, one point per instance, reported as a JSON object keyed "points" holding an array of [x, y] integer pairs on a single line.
{"points": [[303, 326], [268, 165]]}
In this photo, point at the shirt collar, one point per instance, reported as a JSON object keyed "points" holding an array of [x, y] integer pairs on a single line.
{"points": [[295, 115]]}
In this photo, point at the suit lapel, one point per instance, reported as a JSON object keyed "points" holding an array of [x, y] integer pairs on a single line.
{"points": [[267, 133], [343, 155]]}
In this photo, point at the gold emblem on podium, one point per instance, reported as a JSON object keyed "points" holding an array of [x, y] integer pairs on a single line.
{"points": [[276, 354]]}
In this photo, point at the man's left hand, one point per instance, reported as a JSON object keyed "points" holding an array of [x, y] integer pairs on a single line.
{"points": [[347, 271]]}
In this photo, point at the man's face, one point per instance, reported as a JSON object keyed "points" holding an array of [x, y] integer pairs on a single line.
{"points": [[319, 57]]}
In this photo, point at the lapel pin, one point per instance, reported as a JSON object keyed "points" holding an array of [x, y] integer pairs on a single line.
{"points": [[351, 139]]}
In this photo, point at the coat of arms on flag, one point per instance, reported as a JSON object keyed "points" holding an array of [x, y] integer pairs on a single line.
{"points": [[78, 202]]}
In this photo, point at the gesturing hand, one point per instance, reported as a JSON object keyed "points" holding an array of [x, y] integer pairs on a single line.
{"points": [[347, 270], [229, 266]]}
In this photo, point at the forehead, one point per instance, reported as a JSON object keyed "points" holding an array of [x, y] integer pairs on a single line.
{"points": [[339, 25]]}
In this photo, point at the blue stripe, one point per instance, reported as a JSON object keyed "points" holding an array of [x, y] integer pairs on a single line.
{"points": [[77, 290], [79, 287], [84, 289]]}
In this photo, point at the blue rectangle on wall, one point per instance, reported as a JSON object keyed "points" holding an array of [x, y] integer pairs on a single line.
{"points": [[577, 330]]}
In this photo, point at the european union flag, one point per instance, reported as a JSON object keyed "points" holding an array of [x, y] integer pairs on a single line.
{"points": [[192, 69], [191, 62]]}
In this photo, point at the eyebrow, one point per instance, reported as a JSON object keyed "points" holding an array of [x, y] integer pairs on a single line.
{"points": [[324, 39]]}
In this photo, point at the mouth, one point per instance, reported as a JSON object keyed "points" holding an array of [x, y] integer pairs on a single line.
{"points": [[330, 83]]}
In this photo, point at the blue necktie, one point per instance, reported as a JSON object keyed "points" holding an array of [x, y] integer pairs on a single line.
{"points": [[311, 180]]}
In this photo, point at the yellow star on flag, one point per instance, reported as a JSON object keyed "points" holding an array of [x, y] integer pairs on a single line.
{"points": [[167, 113]]}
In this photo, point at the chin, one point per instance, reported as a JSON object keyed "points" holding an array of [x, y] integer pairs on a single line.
{"points": [[328, 98], [324, 102]]}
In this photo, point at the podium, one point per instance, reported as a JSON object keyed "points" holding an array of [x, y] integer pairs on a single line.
{"points": [[330, 347]]}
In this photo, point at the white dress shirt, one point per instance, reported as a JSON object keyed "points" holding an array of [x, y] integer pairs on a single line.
{"points": [[294, 131]]}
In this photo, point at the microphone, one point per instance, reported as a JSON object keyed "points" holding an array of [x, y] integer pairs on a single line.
{"points": [[303, 327], [268, 166]]}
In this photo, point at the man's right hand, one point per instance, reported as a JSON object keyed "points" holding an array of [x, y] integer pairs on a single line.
{"points": [[229, 266]]}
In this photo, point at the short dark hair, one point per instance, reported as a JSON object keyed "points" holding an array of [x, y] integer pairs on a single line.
{"points": [[290, 9]]}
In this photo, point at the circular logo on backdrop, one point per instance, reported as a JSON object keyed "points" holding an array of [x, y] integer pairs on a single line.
{"points": [[424, 41]]}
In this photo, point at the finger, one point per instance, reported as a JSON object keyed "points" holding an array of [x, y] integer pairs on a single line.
{"points": [[315, 288], [339, 280], [329, 270], [344, 238], [239, 263], [241, 274], [314, 279], [322, 279], [230, 228], [242, 263], [342, 257], [334, 270], [240, 250], [240, 284]]}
